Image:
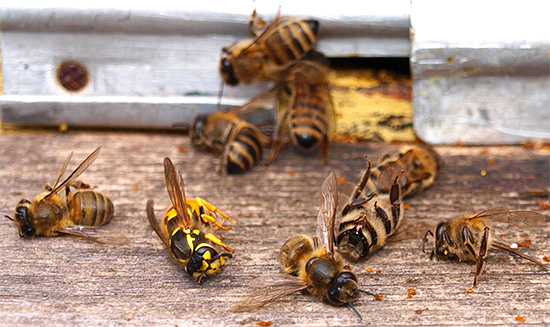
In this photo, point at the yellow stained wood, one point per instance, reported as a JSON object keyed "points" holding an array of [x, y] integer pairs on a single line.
{"points": [[372, 105]]}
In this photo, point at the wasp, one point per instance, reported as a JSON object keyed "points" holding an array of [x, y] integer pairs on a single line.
{"points": [[76, 213], [187, 229], [274, 48], [419, 165], [239, 143], [369, 222], [468, 238], [311, 264]]}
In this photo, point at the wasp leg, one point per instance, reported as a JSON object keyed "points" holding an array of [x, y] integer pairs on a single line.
{"points": [[210, 207], [212, 238]]}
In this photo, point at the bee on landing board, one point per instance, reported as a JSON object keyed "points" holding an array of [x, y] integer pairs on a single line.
{"points": [[238, 143], [283, 53], [369, 222], [273, 49], [420, 165], [468, 238], [311, 264], [188, 227], [79, 212]]}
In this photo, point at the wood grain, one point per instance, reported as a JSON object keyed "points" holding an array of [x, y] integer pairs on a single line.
{"points": [[67, 281]]}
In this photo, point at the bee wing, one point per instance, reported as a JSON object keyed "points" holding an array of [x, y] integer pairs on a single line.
{"points": [[392, 168], [264, 100], [176, 191], [96, 235], [328, 201], [267, 32], [410, 231], [74, 175], [521, 219], [65, 164], [284, 285]]}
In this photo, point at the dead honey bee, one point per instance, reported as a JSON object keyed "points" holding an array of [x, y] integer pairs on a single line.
{"points": [[275, 47], [76, 213], [311, 264], [468, 238], [188, 227], [239, 143], [419, 164], [369, 222]]}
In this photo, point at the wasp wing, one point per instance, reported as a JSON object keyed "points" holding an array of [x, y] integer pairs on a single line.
{"points": [[176, 191], [327, 212], [284, 285], [74, 175], [521, 219], [95, 235]]}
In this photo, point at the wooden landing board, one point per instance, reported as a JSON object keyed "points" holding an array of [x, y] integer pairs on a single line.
{"points": [[66, 281]]}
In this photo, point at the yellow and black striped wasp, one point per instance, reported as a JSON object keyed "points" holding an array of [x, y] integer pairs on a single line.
{"points": [[188, 229]]}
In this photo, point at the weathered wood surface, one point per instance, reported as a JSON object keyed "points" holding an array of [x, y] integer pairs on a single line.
{"points": [[67, 281]]}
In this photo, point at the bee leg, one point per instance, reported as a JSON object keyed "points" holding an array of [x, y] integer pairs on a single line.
{"points": [[324, 149], [362, 183], [212, 238], [480, 259], [382, 214], [276, 142], [395, 200]]}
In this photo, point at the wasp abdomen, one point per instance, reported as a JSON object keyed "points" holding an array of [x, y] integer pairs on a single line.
{"points": [[245, 151], [89, 208]]}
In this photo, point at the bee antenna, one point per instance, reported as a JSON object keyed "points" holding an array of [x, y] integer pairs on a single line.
{"points": [[354, 310], [367, 292], [10, 218], [425, 238], [220, 95]]}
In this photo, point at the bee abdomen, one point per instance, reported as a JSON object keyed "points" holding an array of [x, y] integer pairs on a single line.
{"points": [[89, 208], [292, 41], [308, 120], [245, 151]]}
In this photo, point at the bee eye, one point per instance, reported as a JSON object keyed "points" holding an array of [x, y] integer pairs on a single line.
{"points": [[226, 63]]}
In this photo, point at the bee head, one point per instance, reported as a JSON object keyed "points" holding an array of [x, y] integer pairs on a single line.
{"points": [[442, 244], [344, 289], [196, 133], [21, 219], [226, 68]]}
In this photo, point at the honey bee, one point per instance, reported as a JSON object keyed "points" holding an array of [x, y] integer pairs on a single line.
{"points": [[76, 213], [366, 226], [311, 264], [468, 238], [419, 164], [188, 227], [239, 143], [308, 117], [276, 47]]}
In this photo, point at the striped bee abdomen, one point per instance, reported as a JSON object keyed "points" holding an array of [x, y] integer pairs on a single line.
{"points": [[245, 151], [291, 41], [89, 208], [308, 120]]}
